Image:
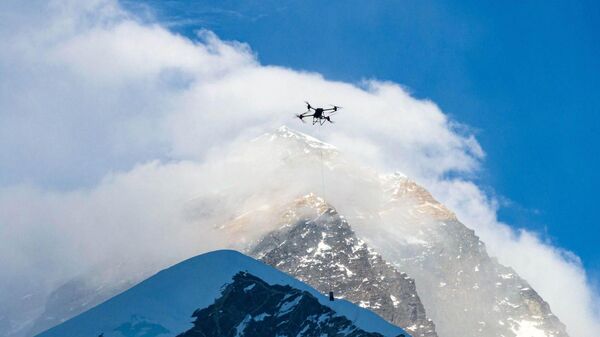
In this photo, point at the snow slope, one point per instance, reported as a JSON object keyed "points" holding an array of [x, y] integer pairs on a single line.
{"points": [[163, 304]]}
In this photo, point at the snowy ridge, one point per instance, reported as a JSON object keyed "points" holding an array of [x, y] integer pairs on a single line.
{"points": [[285, 133], [164, 303], [300, 146]]}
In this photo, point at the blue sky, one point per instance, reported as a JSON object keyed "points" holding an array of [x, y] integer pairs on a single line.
{"points": [[525, 77]]}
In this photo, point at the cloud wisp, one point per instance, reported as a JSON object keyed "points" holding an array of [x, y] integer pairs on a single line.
{"points": [[109, 125]]}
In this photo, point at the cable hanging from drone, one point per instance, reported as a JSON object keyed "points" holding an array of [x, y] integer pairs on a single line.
{"points": [[320, 116]]}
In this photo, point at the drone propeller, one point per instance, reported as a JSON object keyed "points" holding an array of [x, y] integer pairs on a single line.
{"points": [[300, 117], [308, 106], [335, 107]]}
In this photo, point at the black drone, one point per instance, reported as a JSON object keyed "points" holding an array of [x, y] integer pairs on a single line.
{"points": [[319, 115]]}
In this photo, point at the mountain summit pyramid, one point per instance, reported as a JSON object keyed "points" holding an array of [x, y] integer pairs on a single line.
{"points": [[463, 290], [317, 246]]}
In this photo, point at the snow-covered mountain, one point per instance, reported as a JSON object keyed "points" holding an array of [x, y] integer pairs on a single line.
{"points": [[464, 290], [317, 246], [227, 294], [438, 276]]}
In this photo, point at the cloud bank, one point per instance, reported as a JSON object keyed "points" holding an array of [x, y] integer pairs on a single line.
{"points": [[109, 126]]}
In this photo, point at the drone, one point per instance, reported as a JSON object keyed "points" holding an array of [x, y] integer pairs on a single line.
{"points": [[319, 115]]}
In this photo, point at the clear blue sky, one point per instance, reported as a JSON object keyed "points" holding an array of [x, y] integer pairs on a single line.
{"points": [[524, 74]]}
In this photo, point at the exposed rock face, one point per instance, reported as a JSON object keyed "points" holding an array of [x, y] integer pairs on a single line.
{"points": [[317, 246], [485, 297], [250, 307], [466, 292]]}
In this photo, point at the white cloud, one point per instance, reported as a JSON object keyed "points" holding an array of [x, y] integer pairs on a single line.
{"points": [[87, 90]]}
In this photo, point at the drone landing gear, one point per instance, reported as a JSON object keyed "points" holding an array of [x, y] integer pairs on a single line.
{"points": [[321, 121]]}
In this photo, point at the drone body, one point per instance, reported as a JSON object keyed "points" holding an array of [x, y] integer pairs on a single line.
{"points": [[319, 115]]}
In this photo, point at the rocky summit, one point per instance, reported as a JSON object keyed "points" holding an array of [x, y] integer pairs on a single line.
{"points": [[316, 245]]}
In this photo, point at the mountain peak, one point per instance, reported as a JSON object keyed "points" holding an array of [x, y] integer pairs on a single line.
{"points": [[311, 200], [403, 190], [316, 245], [265, 302], [284, 132]]}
